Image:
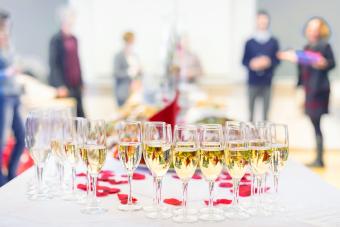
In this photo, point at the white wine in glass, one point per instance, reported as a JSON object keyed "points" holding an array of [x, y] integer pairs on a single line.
{"points": [[158, 157], [130, 153], [211, 165], [185, 160]]}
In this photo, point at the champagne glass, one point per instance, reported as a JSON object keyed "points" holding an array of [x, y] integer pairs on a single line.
{"points": [[259, 142], [57, 115], [185, 160], [38, 142], [237, 156], [157, 155], [73, 133], [280, 145], [94, 149], [211, 165], [130, 153]]}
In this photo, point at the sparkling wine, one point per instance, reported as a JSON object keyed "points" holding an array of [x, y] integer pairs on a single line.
{"points": [[57, 150], [39, 154], [261, 158], [280, 156], [211, 162], [95, 156], [83, 154], [130, 154], [157, 157], [71, 152], [185, 160], [236, 160]]}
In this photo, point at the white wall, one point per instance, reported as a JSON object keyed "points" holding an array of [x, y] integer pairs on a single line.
{"points": [[216, 28]]}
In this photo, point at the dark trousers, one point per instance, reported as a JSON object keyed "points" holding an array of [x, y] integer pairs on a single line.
{"points": [[76, 93], [10, 118], [255, 93], [122, 90]]}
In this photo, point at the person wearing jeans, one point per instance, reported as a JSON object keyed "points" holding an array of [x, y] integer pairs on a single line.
{"points": [[260, 60], [9, 103]]}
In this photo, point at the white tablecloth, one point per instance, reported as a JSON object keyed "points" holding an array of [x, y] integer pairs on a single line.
{"points": [[310, 201]]}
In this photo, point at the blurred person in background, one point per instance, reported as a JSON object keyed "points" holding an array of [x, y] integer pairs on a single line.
{"points": [[260, 60], [186, 61], [9, 101], [65, 70], [314, 63], [127, 69]]}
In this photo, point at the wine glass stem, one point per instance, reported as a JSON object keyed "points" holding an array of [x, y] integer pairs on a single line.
{"points": [[158, 192], [185, 197], [211, 196], [73, 179], [39, 170], [276, 183], [94, 191], [154, 179], [130, 188], [253, 185], [88, 184], [61, 174], [236, 186]]}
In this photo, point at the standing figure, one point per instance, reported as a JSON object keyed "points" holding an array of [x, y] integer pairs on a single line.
{"points": [[314, 62], [9, 102], [260, 60], [65, 71], [127, 69]]}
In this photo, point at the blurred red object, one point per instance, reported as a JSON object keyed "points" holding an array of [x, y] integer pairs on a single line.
{"points": [[169, 113], [25, 161]]}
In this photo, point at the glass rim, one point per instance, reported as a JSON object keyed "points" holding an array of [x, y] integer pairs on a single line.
{"points": [[186, 126]]}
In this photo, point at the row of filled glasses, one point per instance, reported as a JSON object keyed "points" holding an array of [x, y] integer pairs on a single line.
{"points": [[239, 147]]}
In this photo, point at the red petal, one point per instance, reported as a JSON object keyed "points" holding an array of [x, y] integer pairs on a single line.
{"points": [[115, 182], [227, 175], [124, 198], [81, 175], [102, 193], [173, 201], [82, 187], [175, 176], [245, 190], [225, 185], [136, 176], [196, 177], [219, 201]]}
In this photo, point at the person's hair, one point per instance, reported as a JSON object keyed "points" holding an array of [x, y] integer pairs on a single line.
{"points": [[64, 12], [4, 17], [262, 12], [128, 36], [324, 29]]}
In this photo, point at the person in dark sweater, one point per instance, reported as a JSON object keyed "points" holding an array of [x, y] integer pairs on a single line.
{"points": [[10, 91], [65, 71], [260, 60], [314, 63]]}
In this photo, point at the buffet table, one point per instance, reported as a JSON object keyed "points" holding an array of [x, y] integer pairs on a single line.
{"points": [[309, 201]]}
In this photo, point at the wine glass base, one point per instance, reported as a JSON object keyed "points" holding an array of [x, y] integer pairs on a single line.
{"points": [[212, 217], [214, 210], [150, 208], [93, 210], [39, 197], [158, 214], [191, 211], [129, 207], [188, 218], [236, 213]]}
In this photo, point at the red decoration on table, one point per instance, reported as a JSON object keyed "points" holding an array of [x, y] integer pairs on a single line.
{"points": [[81, 174], [197, 176], [244, 179], [173, 201], [101, 190], [169, 113], [124, 198], [136, 176], [225, 185], [226, 176], [219, 202], [115, 182]]}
